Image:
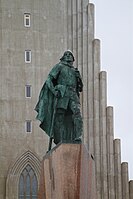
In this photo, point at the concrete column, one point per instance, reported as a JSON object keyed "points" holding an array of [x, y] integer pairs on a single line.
{"points": [[91, 22], [125, 184], [110, 152], [90, 30], [69, 25], [65, 24], [1, 91], [96, 68], [85, 72], [79, 35], [131, 189], [74, 30], [79, 43], [117, 168], [103, 147]]}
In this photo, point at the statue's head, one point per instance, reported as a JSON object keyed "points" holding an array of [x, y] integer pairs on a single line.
{"points": [[67, 56]]}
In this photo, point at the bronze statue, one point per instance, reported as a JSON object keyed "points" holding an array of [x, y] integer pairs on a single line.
{"points": [[59, 105]]}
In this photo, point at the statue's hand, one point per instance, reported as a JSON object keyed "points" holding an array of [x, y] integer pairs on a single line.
{"points": [[77, 73], [57, 93]]}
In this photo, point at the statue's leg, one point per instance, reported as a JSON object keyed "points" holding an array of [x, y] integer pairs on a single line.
{"points": [[59, 125], [77, 118]]}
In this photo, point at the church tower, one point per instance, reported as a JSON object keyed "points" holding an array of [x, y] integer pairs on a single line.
{"points": [[34, 34]]}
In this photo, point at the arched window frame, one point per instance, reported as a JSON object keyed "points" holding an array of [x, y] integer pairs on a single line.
{"points": [[28, 184], [12, 182]]}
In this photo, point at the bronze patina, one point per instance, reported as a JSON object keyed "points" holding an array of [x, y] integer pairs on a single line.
{"points": [[58, 106]]}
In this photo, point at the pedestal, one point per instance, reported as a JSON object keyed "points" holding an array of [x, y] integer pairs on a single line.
{"points": [[67, 173]]}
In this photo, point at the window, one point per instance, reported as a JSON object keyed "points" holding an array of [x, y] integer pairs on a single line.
{"points": [[27, 56], [28, 126], [28, 185], [28, 91], [27, 20]]}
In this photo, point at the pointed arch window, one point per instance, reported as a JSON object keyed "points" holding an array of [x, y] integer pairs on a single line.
{"points": [[28, 185]]}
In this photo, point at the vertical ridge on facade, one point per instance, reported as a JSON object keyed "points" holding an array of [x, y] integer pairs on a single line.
{"points": [[96, 66], [69, 25], [79, 20], [103, 147], [65, 24], [110, 152], [90, 30], [85, 71], [117, 168], [131, 189], [79, 41], [74, 24], [125, 179]]}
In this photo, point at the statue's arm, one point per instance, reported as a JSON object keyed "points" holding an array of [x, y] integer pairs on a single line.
{"points": [[79, 80], [52, 78], [80, 85], [50, 84]]}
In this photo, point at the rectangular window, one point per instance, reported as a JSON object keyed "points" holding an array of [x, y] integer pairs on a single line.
{"points": [[27, 20], [28, 126], [27, 56], [28, 90]]}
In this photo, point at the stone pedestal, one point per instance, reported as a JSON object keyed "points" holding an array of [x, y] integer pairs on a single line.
{"points": [[67, 173]]}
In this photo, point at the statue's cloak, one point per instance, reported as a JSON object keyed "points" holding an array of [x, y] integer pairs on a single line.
{"points": [[46, 105], [45, 108]]}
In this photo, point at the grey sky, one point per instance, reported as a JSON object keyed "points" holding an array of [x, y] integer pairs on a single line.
{"points": [[114, 27]]}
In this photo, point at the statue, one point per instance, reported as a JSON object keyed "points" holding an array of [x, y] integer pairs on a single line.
{"points": [[58, 107]]}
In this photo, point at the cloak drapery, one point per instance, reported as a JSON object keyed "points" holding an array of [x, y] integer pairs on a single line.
{"points": [[46, 104], [45, 108]]}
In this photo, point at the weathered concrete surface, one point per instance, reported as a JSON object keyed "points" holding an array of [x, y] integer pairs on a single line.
{"points": [[68, 173], [125, 179], [110, 152], [102, 130], [117, 168], [131, 189]]}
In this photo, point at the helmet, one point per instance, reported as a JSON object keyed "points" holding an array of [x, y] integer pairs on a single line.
{"points": [[67, 52]]}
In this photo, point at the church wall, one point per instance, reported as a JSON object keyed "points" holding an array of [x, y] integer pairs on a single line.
{"points": [[46, 39], [55, 26]]}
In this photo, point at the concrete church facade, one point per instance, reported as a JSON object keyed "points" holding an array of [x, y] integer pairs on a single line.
{"points": [[34, 35]]}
